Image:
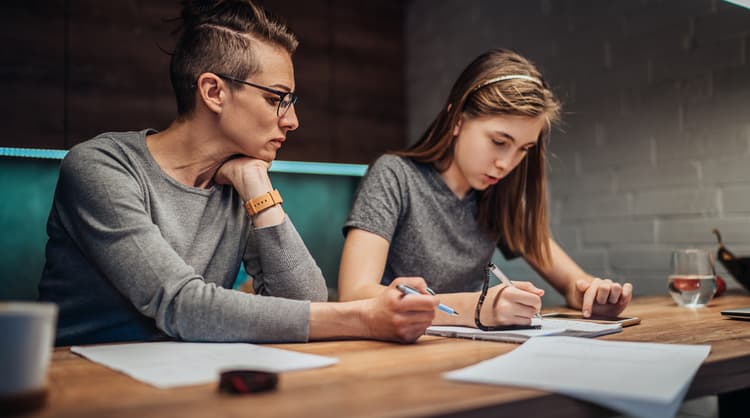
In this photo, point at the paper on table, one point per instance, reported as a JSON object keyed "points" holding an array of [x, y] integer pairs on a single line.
{"points": [[640, 379], [558, 327], [171, 364]]}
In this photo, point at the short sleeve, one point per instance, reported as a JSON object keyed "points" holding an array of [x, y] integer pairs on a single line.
{"points": [[380, 200]]}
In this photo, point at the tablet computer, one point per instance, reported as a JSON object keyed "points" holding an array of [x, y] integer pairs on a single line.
{"points": [[740, 313], [623, 321]]}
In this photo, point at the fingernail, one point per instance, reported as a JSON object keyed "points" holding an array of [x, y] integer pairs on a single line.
{"points": [[586, 313]]}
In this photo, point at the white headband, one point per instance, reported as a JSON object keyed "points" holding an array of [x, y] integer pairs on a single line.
{"points": [[509, 77]]}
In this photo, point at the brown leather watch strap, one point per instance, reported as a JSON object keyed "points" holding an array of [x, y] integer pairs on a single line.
{"points": [[258, 204]]}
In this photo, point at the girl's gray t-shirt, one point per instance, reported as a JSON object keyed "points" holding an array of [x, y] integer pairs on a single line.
{"points": [[432, 233]]}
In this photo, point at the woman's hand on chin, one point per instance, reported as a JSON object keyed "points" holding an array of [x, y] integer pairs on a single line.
{"points": [[248, 175]]}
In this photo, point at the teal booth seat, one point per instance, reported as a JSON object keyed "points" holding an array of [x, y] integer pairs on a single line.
{"points": [[317, 197]]}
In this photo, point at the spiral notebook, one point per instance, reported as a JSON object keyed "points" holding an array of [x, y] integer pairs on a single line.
{"points": [[550, 327]]}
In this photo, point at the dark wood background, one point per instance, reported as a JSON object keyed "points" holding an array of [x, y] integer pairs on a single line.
{"points": [[74, 68]]}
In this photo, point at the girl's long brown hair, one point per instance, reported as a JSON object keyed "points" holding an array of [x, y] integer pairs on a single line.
{"points": [[514, 211]]}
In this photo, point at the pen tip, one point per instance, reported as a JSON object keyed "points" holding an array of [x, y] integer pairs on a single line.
{"points": [[455, 313]]}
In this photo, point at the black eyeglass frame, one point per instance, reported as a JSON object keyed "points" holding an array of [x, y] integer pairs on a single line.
{"points": [[282, 94], [480, 302]]}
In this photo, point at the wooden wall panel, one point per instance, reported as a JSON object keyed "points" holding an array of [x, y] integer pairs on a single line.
{"points": [[32, 73], [119, 77], [362, 113], [76, 68]]}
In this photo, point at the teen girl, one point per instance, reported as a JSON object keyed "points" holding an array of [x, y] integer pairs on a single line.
{"points": [[474, 181]]}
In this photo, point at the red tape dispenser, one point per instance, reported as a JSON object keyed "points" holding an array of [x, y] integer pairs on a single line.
{"points": [[247, 381]]}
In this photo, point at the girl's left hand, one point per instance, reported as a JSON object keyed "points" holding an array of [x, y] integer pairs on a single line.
{"points": [[603, 297]]}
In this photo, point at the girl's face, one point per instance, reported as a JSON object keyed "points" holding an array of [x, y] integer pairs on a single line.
{"points": [[251, 123], [487, 148]]}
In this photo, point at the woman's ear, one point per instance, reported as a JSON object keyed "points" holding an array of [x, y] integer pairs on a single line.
{"points": [[211, 91]]}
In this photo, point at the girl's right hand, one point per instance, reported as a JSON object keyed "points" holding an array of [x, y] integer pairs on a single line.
{"points": [[511, 305]]}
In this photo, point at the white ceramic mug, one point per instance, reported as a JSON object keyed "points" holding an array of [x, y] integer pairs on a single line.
{"points": [[27, 333]]}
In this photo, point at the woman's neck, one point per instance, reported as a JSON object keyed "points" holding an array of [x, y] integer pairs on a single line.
{"points": [[187, 153]]}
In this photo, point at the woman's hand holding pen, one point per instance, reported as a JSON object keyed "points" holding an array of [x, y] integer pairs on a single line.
{"points": [[602, 296], [512, 304], [398, 317]]}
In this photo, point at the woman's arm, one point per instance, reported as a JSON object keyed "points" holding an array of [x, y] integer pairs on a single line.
{"points": [[390, 315], [277, 258], [582, 291]]}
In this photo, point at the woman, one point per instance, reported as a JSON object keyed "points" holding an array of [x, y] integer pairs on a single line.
{"points": [[474, 181], [148, 229]]}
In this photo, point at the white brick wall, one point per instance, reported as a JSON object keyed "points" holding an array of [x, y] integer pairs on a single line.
{"points": [[655, 146]]}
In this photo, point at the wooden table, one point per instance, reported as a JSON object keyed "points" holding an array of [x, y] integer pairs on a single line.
{"points": [[375, 379]]}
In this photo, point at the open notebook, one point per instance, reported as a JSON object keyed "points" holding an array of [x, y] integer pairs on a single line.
{"points": [[550, 327]]}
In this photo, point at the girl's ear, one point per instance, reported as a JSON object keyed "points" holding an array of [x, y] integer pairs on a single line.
{"points": [[457, 128]]}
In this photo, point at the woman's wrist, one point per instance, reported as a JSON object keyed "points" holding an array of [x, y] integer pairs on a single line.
{"points": [[253, 182], [338, 320]]}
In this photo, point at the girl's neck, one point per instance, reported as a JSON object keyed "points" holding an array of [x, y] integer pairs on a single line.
{"points": [[455, 180]]}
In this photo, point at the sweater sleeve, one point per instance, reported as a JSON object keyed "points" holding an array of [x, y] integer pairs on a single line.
{"points": [[281, 265], [102, 206]]}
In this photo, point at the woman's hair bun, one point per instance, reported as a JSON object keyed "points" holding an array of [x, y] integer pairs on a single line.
{"points": [[195, 11]]}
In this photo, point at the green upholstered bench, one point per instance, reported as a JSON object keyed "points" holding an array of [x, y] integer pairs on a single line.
{"points": [[317, 197]]}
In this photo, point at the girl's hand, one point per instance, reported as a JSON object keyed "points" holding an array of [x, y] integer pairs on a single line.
{"points": [[511, 305], [603, 297]]}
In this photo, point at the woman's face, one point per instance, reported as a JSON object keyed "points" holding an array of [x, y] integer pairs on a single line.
{"points": [[487, 148], [250, 122]]}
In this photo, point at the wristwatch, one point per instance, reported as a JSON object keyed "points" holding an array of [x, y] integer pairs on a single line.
{"points": [[258, 204]]}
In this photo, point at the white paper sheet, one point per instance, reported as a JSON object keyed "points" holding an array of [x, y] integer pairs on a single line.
{"points": [[549, 327], [172, 364], [640, 379]]}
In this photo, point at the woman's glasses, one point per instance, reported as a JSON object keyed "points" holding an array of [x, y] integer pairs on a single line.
{"points": [[286, 98]]}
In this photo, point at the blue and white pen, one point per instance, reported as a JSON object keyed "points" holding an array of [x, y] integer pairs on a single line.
{"points": [[506, 281], [411, 291]]}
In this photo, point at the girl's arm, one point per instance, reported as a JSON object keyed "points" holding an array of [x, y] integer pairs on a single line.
{"points": [[363, 262], [582, 291]]}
